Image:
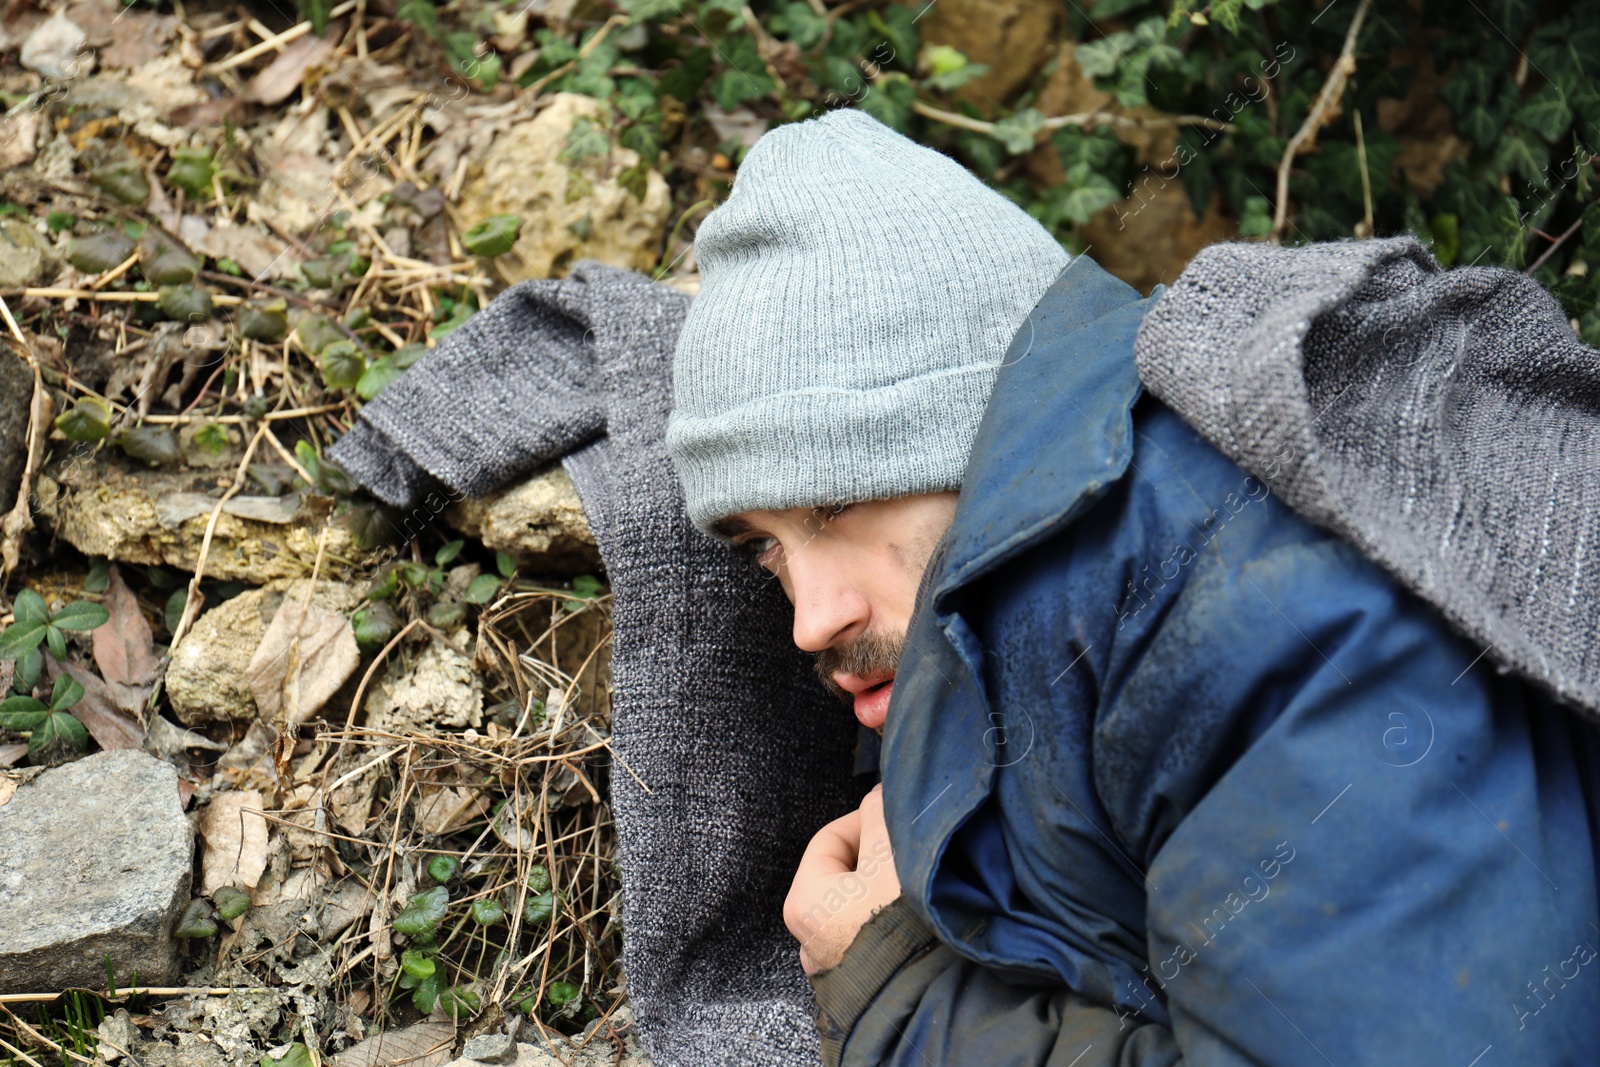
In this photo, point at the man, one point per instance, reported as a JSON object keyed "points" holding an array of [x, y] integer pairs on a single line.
{"points": [[1171, 774]]}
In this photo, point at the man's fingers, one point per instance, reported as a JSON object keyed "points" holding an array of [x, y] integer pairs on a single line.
{"points": [[834, 848]]}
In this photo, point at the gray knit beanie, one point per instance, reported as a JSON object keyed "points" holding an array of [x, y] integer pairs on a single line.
{"points": [[857, 292]]}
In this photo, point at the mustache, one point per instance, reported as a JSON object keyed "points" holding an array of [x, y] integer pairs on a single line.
{"points": [[871, 653]]}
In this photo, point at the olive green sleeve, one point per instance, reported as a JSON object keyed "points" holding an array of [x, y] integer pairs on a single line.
{"points": [[902, 998], [894, 936]]}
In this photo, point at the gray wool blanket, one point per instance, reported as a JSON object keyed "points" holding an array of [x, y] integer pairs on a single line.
{"points": [[1445, 422], [742, 752], [1441, 421]]}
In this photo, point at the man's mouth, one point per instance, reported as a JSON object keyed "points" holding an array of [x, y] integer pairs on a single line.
{"points": [[871, 697]]}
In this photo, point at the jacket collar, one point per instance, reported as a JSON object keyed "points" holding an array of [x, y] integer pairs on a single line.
{"points": [[1057, 429]]}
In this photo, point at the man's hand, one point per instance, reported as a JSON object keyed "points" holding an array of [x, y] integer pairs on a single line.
{"points": [[846, 874]]}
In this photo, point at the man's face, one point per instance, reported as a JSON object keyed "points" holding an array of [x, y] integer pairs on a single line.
{"points": [[852, 575]]}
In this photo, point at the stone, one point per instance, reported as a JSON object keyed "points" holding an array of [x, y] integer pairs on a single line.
{"points": [[1014, 38], [539, 521], [570, 212], [438, 689], [103, 505], [96, 863], [206, 678], [25, 258], [16, 397], [490, 1048]]}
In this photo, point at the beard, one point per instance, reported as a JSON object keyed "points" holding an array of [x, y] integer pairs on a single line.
{"points": [[864, 656]]}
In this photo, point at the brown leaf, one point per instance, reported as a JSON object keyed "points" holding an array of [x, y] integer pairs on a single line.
{"points": [[418, 1045], [307, 653], [124, 648], [9, 754], [108, 726], [236, 842], [278, 79]]}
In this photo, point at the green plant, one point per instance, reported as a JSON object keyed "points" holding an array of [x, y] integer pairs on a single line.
{"points": [[33, 623]]}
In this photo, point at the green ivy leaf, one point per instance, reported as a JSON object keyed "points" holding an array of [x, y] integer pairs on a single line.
{"points": [[197, 922], [29, 606], [443, 868], [56, 641], [88, 419], [81, 615], [538, 908], [67, 692], [683, 81], [506, 564], [423, 913], [745, 78], [483, 588], [1547, 113], [213, 438], [416, 964], [560, 993], [375, 626], [296, 1056], [192, 169], [488, 912], [265, 320], [155, 446], [1019, 130], [22, 713], [231, 903], [30, 665], [494, 236], [342, 365], [59, 730], [427, 993]]}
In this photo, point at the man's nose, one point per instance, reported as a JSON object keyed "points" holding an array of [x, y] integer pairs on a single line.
{"points": [[828, 607]]}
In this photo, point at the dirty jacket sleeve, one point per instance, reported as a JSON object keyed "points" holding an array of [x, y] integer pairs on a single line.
{"points": [[896, 962], [1351, 838]]}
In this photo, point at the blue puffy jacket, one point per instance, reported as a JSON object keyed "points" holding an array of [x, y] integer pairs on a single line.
{"points": [[1174, 776]]}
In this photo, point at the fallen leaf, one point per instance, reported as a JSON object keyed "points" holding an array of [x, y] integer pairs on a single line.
{"points": [[280, 78], [19, 134], [9, 754], [419, 1045], [441, 810], [236, 842], [307, 653], [97, 710], [8, 787], [124, 648]]}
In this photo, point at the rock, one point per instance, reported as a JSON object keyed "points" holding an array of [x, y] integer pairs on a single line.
{"points": [[539, 521], [53, 48], [16, 395], [24, 258], [206, 679], [440, 688], [569, 212], [102, 505], [1013, 38], [96, 864], [490, 1048]]}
